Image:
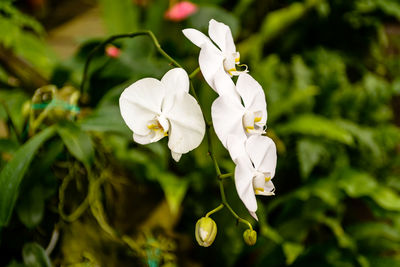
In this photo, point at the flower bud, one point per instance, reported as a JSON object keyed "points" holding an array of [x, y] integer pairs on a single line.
{"points": [[112, 51], [250, 237], [206, 230]]}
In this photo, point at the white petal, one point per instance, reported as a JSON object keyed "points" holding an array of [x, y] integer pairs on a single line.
{"points": [[187, 125], [254, 215], [252, 94], [176, 156], [196, 37], [262, 152], [221, 34], [149, 138], [176, 80], [224, 85], [236, 147], [210, 62], [227, 115], [140, 103], [263, 185], [244, 183], [142, 139]]}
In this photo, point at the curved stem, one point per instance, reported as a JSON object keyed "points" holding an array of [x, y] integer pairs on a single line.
{"points": [[215, 210], [79, 210], [194, 73], [225, 202], [121, 36], [225, 175], [220, 176]]}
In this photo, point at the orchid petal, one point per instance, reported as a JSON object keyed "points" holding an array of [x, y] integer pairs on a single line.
{"points": [[254, 215], [227, 115], [224, 85], [196, 37], [176, 156], [176, 80], [252, 94], [152, 137], [236, 147], [262, 152], [187, 125], [244, 183], [221, 34], [140, 103], [210, 62], [142, 139], [263, 185]]}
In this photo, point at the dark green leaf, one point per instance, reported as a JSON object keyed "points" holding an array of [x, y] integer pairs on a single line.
{"points": [[106, 119], [11, 175], [315, 125], [30, 208], [309, 153], [292, 251], [35, 256], [8, 146], [78, 142], [175, 190]]}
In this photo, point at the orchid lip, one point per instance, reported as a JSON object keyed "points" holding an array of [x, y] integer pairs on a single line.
{"points": [[158, 127]]}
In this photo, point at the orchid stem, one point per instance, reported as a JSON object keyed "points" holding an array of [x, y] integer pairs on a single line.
{"points": [[225, 175], [194, 73], [121, 36], [225, 202], [220, 176], [215, 210]]}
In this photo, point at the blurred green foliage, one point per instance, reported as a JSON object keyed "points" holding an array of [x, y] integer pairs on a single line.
{"points": [[76, 184]]}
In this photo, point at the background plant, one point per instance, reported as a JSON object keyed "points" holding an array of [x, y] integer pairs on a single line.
{"points": [[84, 193]]}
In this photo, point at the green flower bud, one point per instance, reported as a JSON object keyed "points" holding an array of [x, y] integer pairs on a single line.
{"points": [[250, 237], [206, 230]]}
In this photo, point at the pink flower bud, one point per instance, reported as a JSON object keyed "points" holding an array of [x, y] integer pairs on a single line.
{"points": [[180, 11], [112, 51]]}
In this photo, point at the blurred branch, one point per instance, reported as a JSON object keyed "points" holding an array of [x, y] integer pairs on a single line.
{"points": [[121, 36], [28, 77]]}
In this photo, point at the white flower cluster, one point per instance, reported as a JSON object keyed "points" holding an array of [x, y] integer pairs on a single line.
{"points": [[239, 114], [153, 109]]}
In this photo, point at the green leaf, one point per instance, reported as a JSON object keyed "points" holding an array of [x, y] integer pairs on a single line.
{"points": [[387, 198], [13, 172], [364, 135], [292, 251], [35, 256], [344, 240], [119, 16], [174, 188], [315, 125], [30, 208], [14, 101], [8, 146], [372, 230], [106, 119], [78, 142], [309, 153], [287, 104], [275, 24], [357, 184]]}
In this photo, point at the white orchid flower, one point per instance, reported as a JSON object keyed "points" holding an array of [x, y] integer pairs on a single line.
{"points": [[153, 109], [255, 161], [217, 64], [231, 117]]}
